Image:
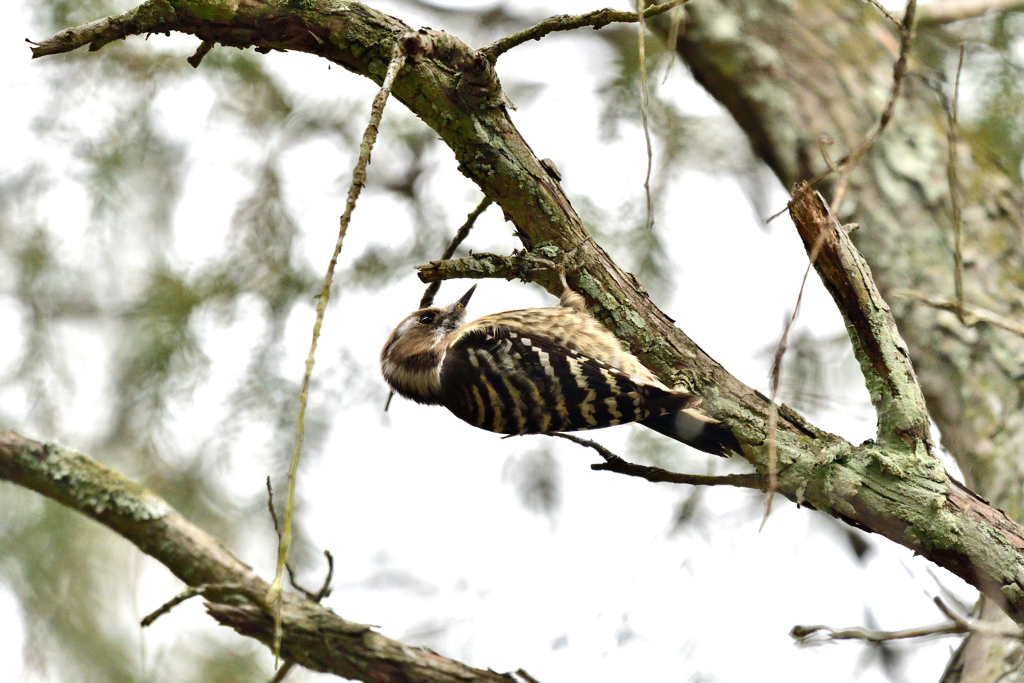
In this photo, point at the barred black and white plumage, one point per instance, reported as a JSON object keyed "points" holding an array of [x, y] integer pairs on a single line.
{"points": [[538, 371]]}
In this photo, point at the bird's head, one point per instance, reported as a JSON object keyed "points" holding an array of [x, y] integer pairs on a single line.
{"points": [[412, 356]]}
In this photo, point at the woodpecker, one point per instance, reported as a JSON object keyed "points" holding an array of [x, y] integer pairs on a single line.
{"points": [[538, 371]]}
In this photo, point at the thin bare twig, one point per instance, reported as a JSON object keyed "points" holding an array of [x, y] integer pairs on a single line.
{"points": [[216, 591], [881, 8], [641, 29], [973, 315], [189, 592], [570, 22], [824, 142], [899, 70], [954, 196], [270, 508], [525, 676], [814, 635], [776, 381], [460, 236], [773, 428], [358, 180], [957, 625], [613, 463], [947, 610], [325, 589], [673, 37], [776, 215]]}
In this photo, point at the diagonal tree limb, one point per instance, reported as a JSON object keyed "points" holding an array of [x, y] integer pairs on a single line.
{"points": [[877, 344], [895, 489], [314, 636]]}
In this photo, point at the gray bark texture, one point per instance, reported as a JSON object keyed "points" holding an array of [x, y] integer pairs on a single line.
{"points": [[792, 72], [788, 72]]}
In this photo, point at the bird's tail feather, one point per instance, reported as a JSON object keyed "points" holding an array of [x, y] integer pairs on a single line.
{"points": [[695, 429]]}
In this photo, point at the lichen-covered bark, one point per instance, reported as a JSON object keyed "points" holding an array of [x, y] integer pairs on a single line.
{"points": [[791, 72], [877, 344], [894, 487]]}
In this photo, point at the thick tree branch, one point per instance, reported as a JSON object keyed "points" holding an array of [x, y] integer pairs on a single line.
{"points": [[895, 491], [877, 344], [314, 636]]}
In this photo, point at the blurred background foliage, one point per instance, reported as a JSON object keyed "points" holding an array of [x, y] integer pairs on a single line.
{"points": [[127, 292]]}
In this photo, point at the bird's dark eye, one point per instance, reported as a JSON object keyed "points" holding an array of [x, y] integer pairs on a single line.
{"points": [[427, 318]]}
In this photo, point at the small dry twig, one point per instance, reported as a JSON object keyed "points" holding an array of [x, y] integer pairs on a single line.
{"points": [[212, 591], [641, 29], [956, 625], [776, 380], [973, 315], [317, 596], [899, 70], [460, 237], [954, 196], [570, 22], [358, 180], [674, 27], [325, 589], [815, 635], [888, 15], [613, 463]]}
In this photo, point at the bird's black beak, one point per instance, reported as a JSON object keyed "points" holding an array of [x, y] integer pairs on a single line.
{"points": [[464, 300]]}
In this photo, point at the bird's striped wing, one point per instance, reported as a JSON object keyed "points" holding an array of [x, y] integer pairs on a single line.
{"points": [[508, 382]]}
